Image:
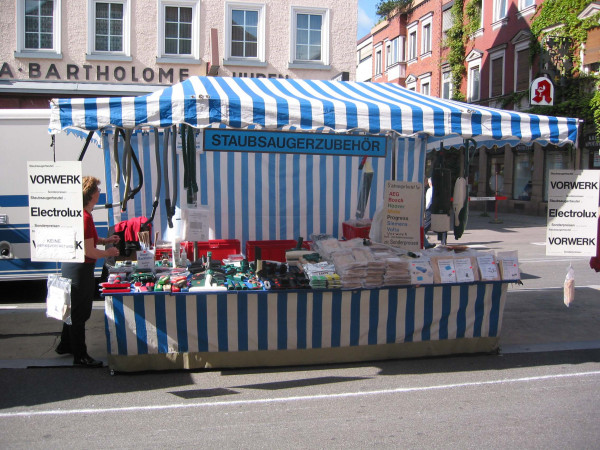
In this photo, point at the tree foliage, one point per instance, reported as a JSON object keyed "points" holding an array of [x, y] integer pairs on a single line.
{"points": [[385, 8]]}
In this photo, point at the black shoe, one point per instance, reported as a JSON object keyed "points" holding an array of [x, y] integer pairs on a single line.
{"points": [[62, 350], [428, 246], [87, 361]]}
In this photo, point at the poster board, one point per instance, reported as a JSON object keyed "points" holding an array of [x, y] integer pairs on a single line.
{"points": [[402, 214], [572, 222], [55, 211]]}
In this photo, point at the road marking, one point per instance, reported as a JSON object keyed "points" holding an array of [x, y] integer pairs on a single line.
{"points": [[128, 409]]}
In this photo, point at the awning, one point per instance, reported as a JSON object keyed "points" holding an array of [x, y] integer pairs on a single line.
{"points": [[310, 105]]}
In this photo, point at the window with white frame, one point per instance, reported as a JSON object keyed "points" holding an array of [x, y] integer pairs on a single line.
{"points": [[497, 75], [378, 63], [179, 23], [524, 4], [411, 83], [310, 35], [38, 28], [447, 21], [244, 36], [392, 52], [425, 83], [109, 27], [447, 84], [474, 84], [500, 9], [426, 24], [412, 43]]}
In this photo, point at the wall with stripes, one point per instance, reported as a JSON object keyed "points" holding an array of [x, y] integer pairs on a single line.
{"points": [[214, 322], [259, 196]]}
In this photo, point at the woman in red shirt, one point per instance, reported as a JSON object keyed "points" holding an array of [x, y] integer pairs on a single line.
{"points": [[72, 339]]}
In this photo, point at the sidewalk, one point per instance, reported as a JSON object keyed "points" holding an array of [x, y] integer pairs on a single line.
{"points": [[535, 318]]}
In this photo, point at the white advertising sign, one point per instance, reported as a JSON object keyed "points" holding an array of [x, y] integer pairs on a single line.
{"points": [[55, 211], [572, 212], [402, 214]]}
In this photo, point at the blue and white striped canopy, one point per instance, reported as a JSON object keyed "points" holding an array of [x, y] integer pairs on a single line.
{"points": [[310, 105]]}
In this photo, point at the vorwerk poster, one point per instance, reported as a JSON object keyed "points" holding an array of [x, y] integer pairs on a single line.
{"points": [[572, 212], [55, 211], [402, 214]]}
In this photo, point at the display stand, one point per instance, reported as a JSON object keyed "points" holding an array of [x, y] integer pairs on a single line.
{"points": [[280, 328]]}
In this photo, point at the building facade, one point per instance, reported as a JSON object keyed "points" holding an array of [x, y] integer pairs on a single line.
{"points": [[410, 48], [57, 48]]}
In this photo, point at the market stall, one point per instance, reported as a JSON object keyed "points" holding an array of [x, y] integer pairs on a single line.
{"points": [[256, 192]]}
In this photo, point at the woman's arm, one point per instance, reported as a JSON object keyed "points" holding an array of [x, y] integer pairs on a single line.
{"points": [[95, 253]]}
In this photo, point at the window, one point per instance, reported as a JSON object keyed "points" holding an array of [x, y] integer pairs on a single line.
{"points": [[447, 21], [473, 95], [310, 36], [497, 76], [425, 83], [378, 64], [179, 24], [500, 9], [245, 32], [447, 84], [109, 28], [391, 56], [38, 28], [426, 35], [523, 168], [425, 87], [522, 69], [524, 4], [411, 83], [412, 43]]}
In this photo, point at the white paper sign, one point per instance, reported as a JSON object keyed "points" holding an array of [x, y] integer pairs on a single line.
{"points": [[447, 270], [572, 212], [196, 224], [510, 269], [402, 215], [421, 272], [464, 270], [145, 259], [487, 267], [55, 211]]}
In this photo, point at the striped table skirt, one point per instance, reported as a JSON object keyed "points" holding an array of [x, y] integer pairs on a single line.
{"points": [[245, 328]]}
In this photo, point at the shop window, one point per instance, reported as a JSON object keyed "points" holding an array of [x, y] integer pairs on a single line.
{"points": [[555, 158], [245, 32], [38, 28], [522, 171], [310, 36], [180, 29]]}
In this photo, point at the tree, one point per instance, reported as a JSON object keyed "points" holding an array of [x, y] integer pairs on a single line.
{"points": [[386, 8]]}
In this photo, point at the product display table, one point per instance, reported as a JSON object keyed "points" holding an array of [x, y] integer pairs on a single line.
{"points": [[158, 331]]}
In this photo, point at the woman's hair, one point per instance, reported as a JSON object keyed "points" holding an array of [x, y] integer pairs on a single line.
{"points": [[90, 186]]}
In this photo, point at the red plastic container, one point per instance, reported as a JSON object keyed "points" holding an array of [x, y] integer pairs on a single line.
{"points": [[272, 250], [220, 248], [351, 232]]}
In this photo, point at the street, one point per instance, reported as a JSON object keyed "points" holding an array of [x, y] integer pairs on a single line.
{"points": [[541, 391], [542, 400]]}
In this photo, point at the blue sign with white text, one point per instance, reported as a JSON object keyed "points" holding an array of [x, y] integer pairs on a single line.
{"points": [[293, 142]]}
